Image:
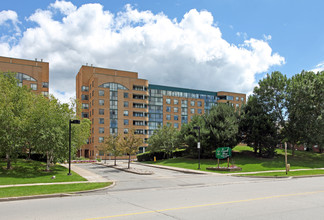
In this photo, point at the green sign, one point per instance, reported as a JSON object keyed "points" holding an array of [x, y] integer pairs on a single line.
{"points": [[223, 152]]}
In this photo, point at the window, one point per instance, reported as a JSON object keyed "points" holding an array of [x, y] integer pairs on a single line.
{"points": [[199, 104], [101, 121], [125, 104], [237, 105], [184, 103], [92, 93], [176, 125], [168, 101], [199, 111], [113, 130], [125, 94], [85, 88], [113, 104], [101, 139], [45, 84], [101, 93], [113, 114], [168, 109], [192, 111], [101, 153], [101, 130], [101, 111], [168, 117], [85, 106], [85, 115], [33, 86], [45, 94], [242, 99], [192, 103], [113, 95], [126, 122], [101, 102], [231, 98], [176, 117], [125, 113], [175, 109], [237, 98], [175, 101], [126, 131], [84, 97]]}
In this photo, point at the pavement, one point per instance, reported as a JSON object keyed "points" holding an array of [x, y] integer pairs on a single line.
{"points": [[121, 165]]}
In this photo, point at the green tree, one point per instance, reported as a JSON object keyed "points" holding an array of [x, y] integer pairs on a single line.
{"points": [[130, 143], [258, 128], [164, 138], [305, 98], [223, 122], [15, 103], [112, 144], [190, 136], [50, 123]]}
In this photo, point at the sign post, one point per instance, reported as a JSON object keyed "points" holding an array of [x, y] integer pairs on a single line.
{"points": [[223, 153]]}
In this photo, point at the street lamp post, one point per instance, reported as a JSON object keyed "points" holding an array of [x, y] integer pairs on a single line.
{"points": [[71, 122], [198, 145]]}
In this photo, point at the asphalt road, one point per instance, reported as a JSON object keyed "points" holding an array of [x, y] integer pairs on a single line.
{"points": [[174, 195]]}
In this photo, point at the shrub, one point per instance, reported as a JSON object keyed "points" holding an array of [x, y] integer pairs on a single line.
{"points": [[160, 155]]}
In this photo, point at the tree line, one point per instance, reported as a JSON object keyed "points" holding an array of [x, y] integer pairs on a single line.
{"points": [[31, 123], [279, 110]]}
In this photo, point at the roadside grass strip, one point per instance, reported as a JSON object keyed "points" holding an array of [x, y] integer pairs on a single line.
{"points": [[29, 171], [49, 189], [289, 174]]}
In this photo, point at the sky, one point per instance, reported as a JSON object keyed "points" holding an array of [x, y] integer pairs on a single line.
{"points": [[214, 45]]}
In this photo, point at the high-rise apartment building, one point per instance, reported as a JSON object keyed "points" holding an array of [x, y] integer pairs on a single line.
{"points": [[117, 101], [33, 74]]}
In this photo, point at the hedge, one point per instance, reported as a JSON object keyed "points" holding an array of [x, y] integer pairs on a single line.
{"points": [[160, 155]]}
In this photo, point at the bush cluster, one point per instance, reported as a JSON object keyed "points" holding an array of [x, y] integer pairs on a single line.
{"points": [[160, 155]]}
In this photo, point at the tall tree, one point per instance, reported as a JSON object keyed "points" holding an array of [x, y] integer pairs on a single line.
{"points": [[223, 123], [272, 95], [257, 128], [305, 98], [15, 103]]}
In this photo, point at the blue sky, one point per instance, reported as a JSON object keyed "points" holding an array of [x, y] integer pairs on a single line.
{"points": [[291, 29]]}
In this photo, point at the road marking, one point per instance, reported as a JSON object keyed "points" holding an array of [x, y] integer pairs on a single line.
{"points": [[206, 205]]}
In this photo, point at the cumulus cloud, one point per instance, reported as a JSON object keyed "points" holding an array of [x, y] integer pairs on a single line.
{"points": [[188, 53], [11, 16]]}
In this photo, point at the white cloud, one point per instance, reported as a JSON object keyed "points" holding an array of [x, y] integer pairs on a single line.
{"points": [[9, 15], [319, 67], [64, 7], [190, 53]]}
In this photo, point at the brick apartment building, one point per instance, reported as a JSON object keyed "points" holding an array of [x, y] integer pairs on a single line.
{"points": [[33, 74], [117, 101]]}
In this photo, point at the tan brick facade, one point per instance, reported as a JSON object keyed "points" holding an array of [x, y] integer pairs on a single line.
{"points": [[33, 74], [116, 101]]}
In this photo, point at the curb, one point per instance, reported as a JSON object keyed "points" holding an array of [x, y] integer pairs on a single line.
{"points": [[282, 177], [182, 170], [126, 170], [55, 195]]}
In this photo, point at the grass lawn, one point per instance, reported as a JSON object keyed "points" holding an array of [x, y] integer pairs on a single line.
{"points": [[28, 171], [290, 173], [243, 157], [49, 189]]}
